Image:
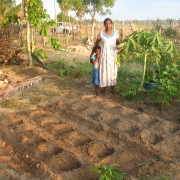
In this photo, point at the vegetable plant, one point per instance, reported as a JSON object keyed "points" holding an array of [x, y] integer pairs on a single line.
{"points": [[149, 46], [169, 79], [108, 173], [149, 76]]}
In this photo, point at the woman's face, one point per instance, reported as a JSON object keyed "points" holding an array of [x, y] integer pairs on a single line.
{"points": [[108, 25]]}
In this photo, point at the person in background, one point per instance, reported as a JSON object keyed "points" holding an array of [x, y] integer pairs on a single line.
{"points": [[109, 39]]}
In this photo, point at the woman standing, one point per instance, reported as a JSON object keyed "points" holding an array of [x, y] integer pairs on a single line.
{"points": [[108, 69]]}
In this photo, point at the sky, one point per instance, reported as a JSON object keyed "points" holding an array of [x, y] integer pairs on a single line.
{"points": [[132, 9]]}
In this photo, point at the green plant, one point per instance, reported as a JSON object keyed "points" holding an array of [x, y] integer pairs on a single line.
{"points": [[63, 73], [169, 79], [149, 46], [59, 64], [148, 75], [55, 43], [10, 19], [74, 70], [107, 173], [128, 80], [13, 103], [40, 53]]}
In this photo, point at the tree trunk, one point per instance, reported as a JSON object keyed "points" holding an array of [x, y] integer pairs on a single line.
{"points": [[144, 71], [28, 44], [80, 27], [92, 30], [43, 40], [67, 40], [32, 40], [55, 16], [122, 31], [73, 33]]}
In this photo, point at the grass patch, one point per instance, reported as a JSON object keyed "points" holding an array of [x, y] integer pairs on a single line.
{"points": [[155, 169], [159, 176], [128, 83], [73, 69], [14, 103], [43, 93]]}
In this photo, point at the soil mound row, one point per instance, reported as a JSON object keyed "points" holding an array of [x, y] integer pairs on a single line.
{"points": [[62, 139]]}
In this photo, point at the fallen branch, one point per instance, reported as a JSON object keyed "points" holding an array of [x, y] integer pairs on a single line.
{"points": [[24, 85], [38, 60]]}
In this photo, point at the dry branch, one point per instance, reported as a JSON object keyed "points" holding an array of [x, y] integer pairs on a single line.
{"points": [[22, 86]]}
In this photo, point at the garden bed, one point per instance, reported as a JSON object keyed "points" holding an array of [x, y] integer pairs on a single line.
{"points": [[57, 130]]}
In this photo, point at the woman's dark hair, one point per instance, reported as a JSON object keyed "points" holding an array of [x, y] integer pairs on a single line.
{"points": [[107, 19]]}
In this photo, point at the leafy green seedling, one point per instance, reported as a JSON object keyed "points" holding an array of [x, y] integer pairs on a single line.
{"points": [[107, 173]]}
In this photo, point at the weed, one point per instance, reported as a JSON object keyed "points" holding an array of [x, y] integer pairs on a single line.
{"points": [[160, 176], [43, 93], [40, 53], [74, 70], [165, 173], [14, 103], [128, 82], [59, 64], [169, 89], [107, 173]]}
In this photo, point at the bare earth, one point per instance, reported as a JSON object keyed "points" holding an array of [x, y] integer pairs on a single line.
{"points": [[61, 138]]}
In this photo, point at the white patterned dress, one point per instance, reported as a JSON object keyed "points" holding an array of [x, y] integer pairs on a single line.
{"points": [[108, 67]]}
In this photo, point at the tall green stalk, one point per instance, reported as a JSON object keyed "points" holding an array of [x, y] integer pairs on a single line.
{"points": [[144, 71]]}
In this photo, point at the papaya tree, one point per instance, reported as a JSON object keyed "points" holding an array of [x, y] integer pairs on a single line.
{"points": [[149, 46]]}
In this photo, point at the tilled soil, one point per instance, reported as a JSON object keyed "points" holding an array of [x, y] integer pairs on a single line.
{"points": [[65, 137], [61, 140]]}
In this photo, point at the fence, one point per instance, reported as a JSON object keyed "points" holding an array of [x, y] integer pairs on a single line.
{"points": [[18, 36], [124, 28]]}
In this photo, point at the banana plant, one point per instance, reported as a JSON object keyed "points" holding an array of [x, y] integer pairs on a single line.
{"points": [[149, 46]]}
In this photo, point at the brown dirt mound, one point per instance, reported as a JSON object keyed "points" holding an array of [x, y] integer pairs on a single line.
{"points": [[62, 139]]}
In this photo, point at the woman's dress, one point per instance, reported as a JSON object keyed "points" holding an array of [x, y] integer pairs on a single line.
{"points": [[108, 67]]}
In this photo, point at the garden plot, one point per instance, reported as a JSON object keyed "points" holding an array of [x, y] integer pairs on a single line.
{"points": [[62, 139]]}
